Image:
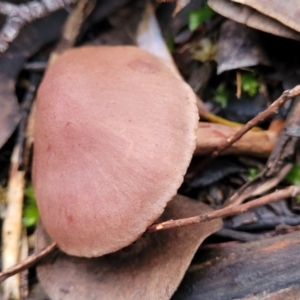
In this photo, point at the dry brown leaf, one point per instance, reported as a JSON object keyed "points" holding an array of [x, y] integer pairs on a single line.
{"points": [[239, 47], [286, 12], [151, 268], [252, 18], [257, 143]]}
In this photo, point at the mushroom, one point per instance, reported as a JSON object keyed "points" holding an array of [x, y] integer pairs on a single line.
{"points": [[115, 132]]}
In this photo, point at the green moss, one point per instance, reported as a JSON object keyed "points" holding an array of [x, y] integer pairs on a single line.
{"points": [[250, 83], [293, 177], [221, 95], [198, 17], [252, 173], [30, 210]]}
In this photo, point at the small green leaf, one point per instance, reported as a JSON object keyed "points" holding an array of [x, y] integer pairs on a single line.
{"points": [[293, 177], [170, 44], [30, 210], [221, 96], [252, 173], [197, 17], [250, 84]]}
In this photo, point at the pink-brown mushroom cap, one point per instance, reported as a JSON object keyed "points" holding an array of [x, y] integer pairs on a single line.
{"points": [[115, 132]]}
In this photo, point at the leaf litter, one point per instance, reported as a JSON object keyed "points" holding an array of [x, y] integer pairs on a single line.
{"points": [[139, 271]]}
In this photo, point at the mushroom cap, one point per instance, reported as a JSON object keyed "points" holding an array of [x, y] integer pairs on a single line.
{"points": [[114, 134]]}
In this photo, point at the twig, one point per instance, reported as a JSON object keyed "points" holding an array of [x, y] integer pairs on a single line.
{"points": [[22, 14], [272, 109], [291, 191], [28, 262], [12, 225]]}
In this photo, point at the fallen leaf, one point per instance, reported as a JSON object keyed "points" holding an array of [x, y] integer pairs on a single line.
{"points": [[252, 18], [151, 268], [286, 12], [239, 47]]}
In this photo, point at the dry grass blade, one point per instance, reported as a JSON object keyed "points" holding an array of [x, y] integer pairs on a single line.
{"points": [[12, 225]]}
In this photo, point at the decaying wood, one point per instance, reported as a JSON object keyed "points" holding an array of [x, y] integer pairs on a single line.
{"points": [[261, 270], [20, 15]]}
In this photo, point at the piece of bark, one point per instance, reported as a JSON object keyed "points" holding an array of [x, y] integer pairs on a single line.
{"points": [[151, 268], [267, 269]]}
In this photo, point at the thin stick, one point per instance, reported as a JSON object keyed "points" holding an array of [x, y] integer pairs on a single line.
{"points": [[272, 109], [291, 191], [28, 262]]}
